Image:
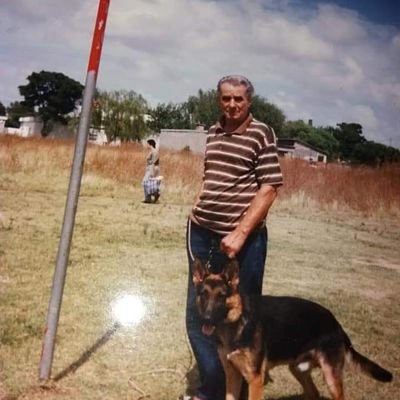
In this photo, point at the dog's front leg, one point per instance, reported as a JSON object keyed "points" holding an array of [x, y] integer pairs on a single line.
{"points": [[245, 362], [233, 377], [256, 388]]}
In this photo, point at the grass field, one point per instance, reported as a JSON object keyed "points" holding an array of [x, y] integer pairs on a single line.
{"points": [[334, 237]]}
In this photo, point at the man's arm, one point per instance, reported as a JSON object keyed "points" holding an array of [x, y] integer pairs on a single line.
{"points": [[258, 210]]}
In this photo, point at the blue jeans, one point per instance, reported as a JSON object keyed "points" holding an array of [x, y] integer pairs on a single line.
{"points": [[204, 244]]}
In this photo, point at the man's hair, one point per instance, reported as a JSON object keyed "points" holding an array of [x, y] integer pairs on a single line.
{"points": [[237, 80], [152, 143]]}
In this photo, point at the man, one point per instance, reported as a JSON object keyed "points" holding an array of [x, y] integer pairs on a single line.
{"points": [[240, 181]]}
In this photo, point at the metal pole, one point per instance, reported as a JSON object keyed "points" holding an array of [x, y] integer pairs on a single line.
{"points": [[57, 290]]}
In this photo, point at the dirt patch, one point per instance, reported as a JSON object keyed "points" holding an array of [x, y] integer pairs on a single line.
{"points": [[378, 262], [44, 392], [3, 393]]}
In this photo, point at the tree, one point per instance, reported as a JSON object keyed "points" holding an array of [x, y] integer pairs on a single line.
{"points": [[52, 95], [369, 153], [169, 116], [374, 154], [296, 129], [392, 154], [348, 135], [319, 137], [268, 113], [325, 141], [122, 114], [2, 109], [203, 108], [96, 112]]}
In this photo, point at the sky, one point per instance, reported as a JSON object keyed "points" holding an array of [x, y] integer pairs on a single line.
{"points": [[329, 61]]}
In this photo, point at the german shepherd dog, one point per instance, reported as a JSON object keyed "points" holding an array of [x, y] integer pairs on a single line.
{"points": [[257, 333]]}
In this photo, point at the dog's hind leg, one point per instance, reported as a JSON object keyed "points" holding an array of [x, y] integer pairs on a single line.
{"points": [[305, 380], [333, 377]]}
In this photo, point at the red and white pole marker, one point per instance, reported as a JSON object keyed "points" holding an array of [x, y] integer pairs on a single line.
{"points": [[57, 290]]}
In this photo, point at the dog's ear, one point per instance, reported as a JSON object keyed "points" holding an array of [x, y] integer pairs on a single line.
{"points": [[198, 271], [231, 272]]}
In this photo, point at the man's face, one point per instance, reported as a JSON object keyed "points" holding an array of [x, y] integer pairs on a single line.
{"points": [[234, 102]]}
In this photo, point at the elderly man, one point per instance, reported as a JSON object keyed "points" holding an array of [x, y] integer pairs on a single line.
{"points": [[240, 181]]}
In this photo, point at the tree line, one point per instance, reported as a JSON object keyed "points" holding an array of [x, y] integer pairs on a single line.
{"points": [[127, 115]]}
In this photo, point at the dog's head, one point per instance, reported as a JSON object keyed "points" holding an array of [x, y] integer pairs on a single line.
{"points": [[217, 295]]}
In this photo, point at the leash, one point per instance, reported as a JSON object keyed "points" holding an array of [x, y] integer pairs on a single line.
{"points": [[211, 253]]}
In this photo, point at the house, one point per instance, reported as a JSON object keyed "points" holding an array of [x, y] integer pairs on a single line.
{"points": [[29, 126], [3, 120], [195, 140], [179, 139], [32, 126], [295, 148], [97, 136]]}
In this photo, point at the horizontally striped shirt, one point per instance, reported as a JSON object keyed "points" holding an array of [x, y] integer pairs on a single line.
{"points": [[236, 165]]}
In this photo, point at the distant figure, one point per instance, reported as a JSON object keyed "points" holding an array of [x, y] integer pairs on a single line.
{"points": [[151, 179]]}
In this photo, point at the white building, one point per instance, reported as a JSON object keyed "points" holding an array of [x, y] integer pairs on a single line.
{"points": [[295, 148], [179, 139], [29, 126]]}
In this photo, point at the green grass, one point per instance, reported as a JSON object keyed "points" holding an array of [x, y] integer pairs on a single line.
{"points": [[349, 263]]}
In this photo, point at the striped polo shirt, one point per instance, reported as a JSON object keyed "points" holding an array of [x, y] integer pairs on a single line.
{"points": [[235, 166]]}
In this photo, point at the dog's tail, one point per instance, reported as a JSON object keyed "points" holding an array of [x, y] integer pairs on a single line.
{"points": [[367, 366]]}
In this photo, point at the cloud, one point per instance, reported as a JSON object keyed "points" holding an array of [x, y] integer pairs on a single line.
{"points": [[364, 115], [396, 41], [337, 25], [324, 63]]}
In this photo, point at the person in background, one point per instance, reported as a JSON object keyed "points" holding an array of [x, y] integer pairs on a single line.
{"points": [[151, 180], [240, 182]]}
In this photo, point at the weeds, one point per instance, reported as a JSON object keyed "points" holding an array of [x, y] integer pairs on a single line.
{"points": [[333, 237]]}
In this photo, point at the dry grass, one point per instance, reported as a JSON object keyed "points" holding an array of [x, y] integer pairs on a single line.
{"points": [[369, 191], [334, 235], [362, 189]]}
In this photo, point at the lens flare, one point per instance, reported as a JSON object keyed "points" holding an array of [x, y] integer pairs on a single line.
{"points": [[128, 310]]}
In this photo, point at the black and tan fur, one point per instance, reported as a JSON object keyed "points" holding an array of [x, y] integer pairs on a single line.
{"points": [[257, 333]]}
